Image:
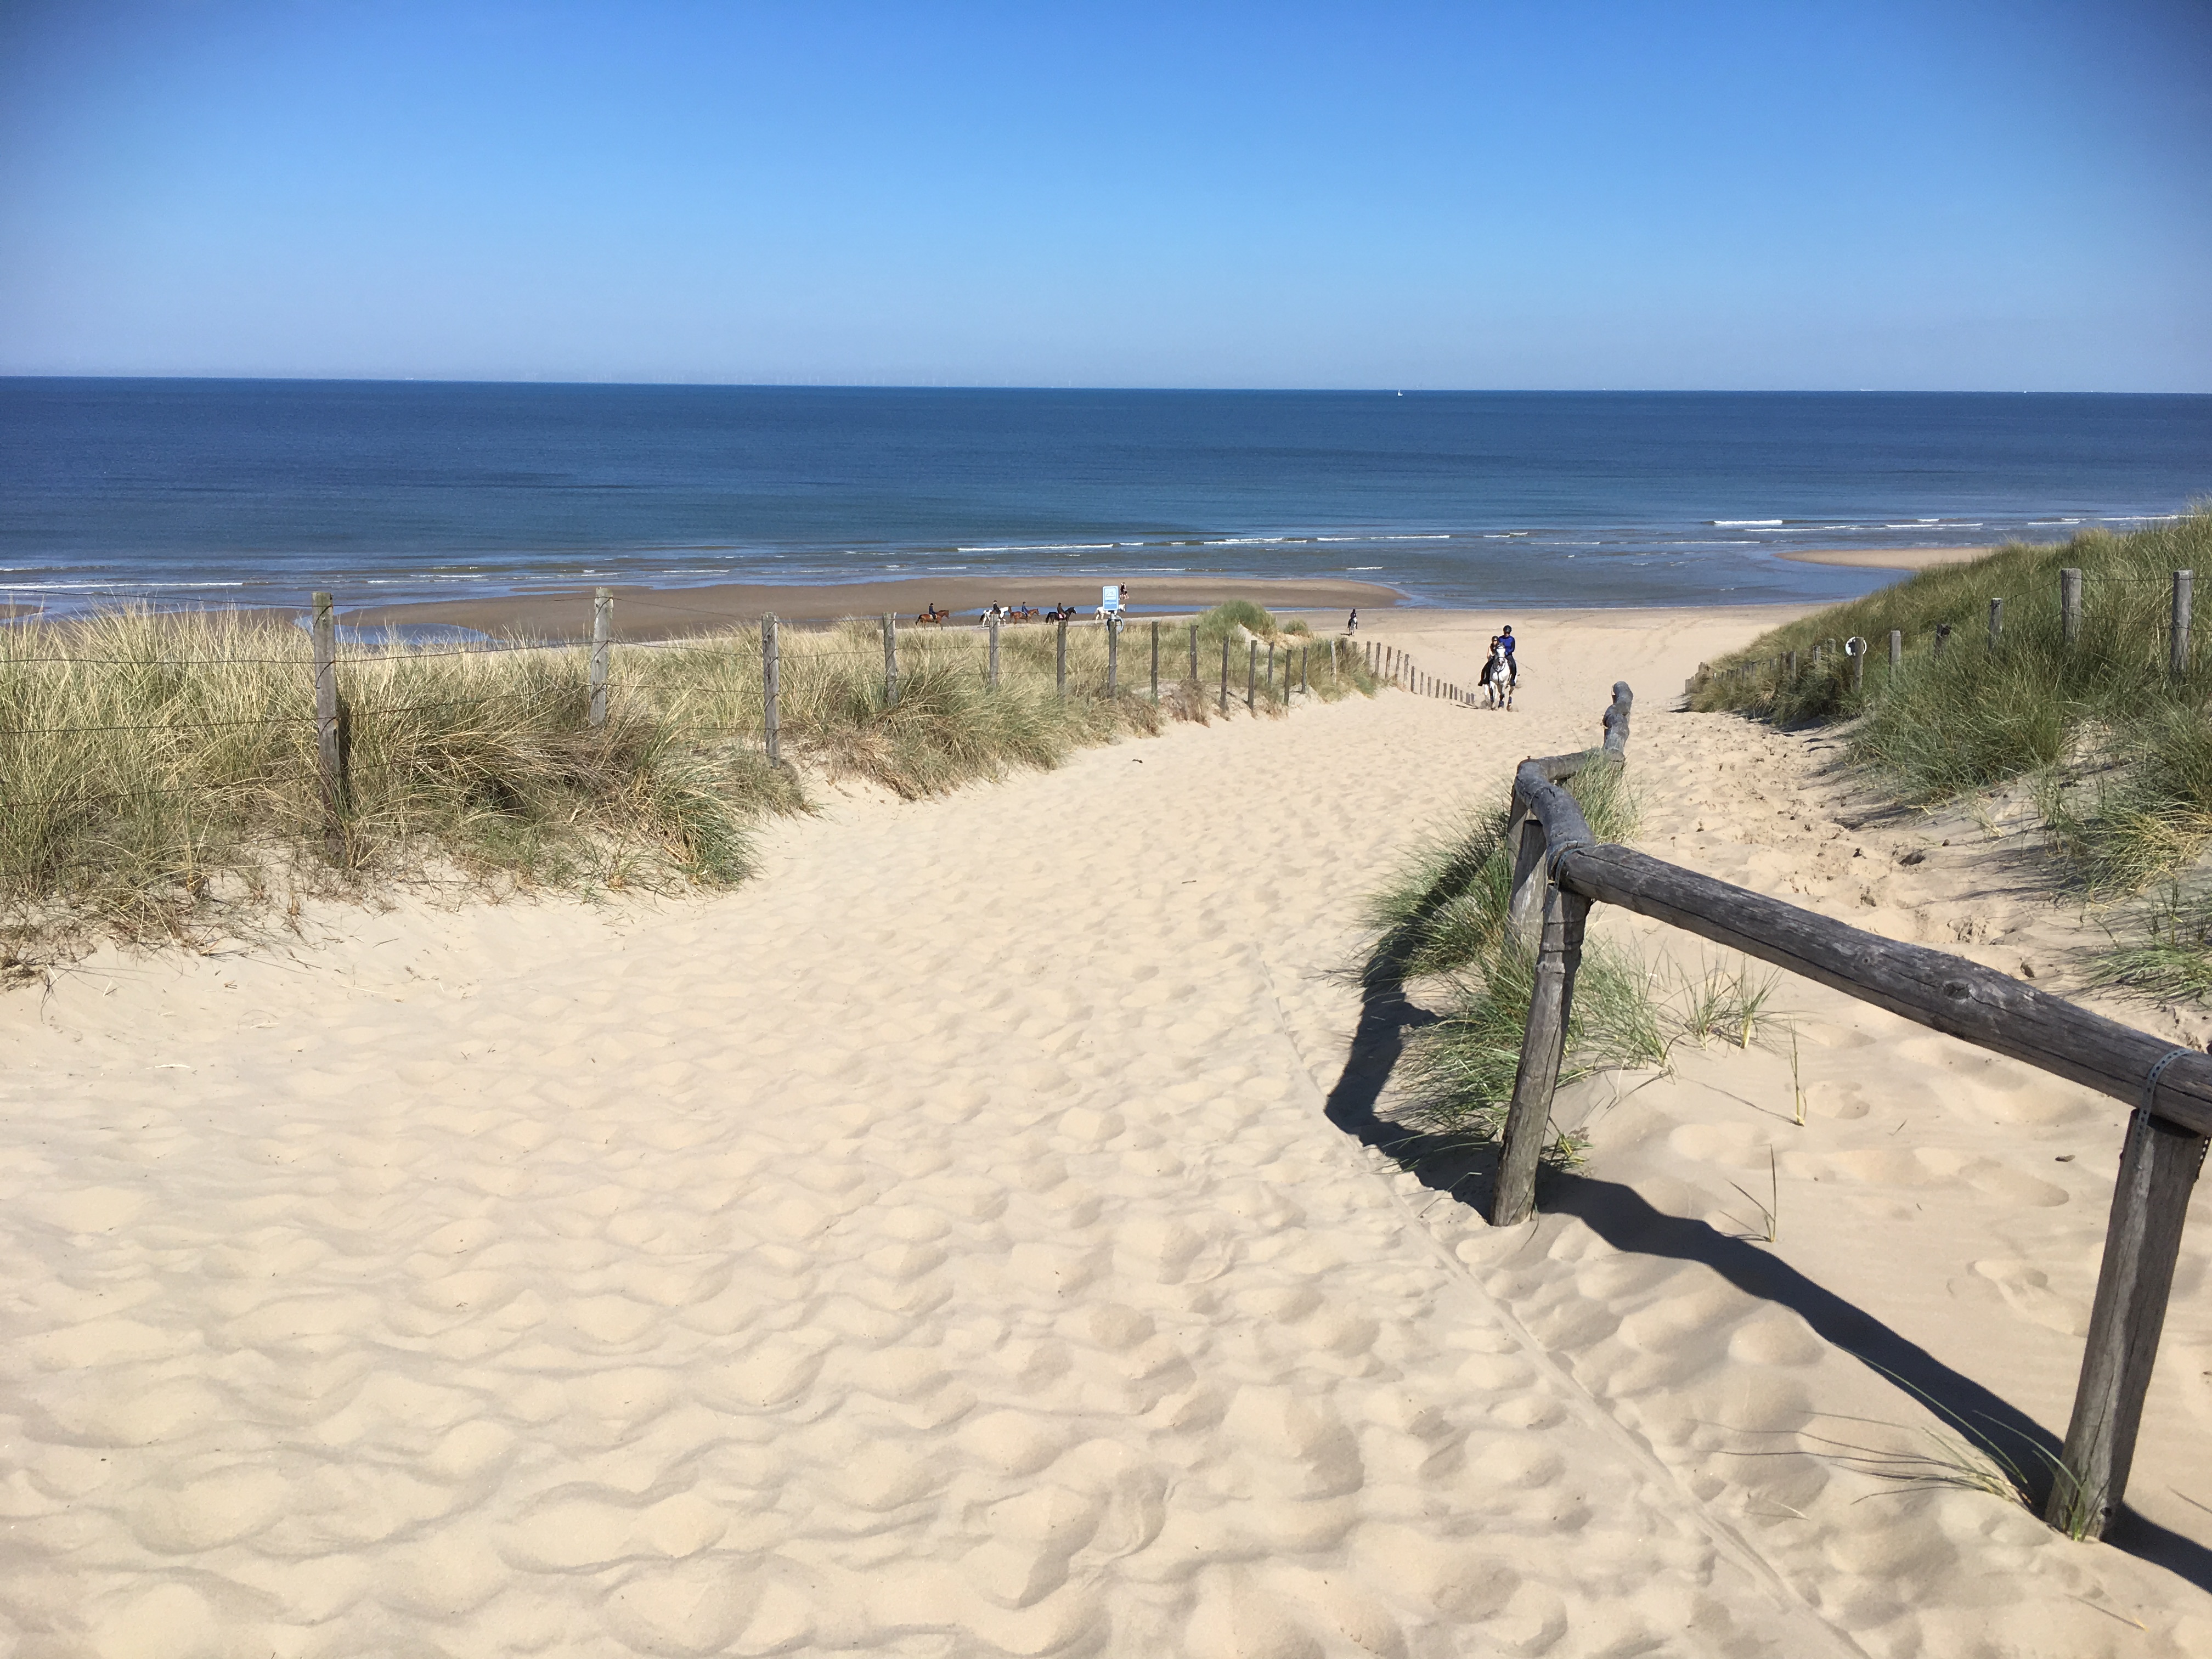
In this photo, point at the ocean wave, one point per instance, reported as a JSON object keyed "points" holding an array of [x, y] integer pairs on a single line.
{"points": [[1745, 523], [1043, 547]]}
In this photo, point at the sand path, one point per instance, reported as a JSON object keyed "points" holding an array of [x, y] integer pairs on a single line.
{"points": [[935, 1247]]}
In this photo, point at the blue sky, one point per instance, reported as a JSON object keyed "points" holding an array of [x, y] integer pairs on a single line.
{"points": [[2014, 195]]}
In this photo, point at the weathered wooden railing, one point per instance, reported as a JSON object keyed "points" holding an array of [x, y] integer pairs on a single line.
{"points": [[1560, 870]]}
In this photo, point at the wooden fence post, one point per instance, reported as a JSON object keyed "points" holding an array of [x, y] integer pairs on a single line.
{"points": [[2177, 647], [1251, 673], [1896, 651], [1332, 661], [1524, 834], [1225, 674], [993, 627], [1305, 656], [772, 689], [1193, 654], [1543, 1046], [330, 747], [1113, 656], [1789, 665], [1997, 623], [1059, 658], [1616, 720], [1943, 636], [890, 661], [1156, 662], [2158, 1166], [603, 618], [1271, 667], [2070, 605]]}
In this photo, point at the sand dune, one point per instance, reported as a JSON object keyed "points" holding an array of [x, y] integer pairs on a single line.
{"points": [[940, 1247]]}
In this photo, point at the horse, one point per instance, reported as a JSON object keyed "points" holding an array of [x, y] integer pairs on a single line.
{"points": [[1497, 676], [933, 617]]}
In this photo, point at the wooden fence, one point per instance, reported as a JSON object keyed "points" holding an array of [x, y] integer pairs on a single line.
{"points": [[1293, 674], [1560, 872], [1787, 667]]}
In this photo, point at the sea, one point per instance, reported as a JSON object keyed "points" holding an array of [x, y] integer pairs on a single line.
{"points": [[182, 492]]}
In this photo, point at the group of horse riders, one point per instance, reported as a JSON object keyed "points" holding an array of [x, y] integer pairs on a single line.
{"points": [[936, 616]]}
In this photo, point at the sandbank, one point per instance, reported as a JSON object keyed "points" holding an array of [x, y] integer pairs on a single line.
{"points": [[1886, 558], [646, 613], [972, 1235]]}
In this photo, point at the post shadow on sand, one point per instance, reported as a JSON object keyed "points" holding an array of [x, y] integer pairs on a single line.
{"points": [[1622, 1217]]}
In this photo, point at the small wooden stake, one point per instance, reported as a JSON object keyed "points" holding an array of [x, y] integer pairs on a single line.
{"points": [[1193, 654], [2158, 1166], [1251, 674], [1225, 676], [772, 689], [1060, 658], [2070, 605], [330, 749], [1943, 636], [994, 652], [1305, 658], [2177, 649], [890, 661], [1543, 1046], [1113, 656], [1896, 651], [603, 619], [1156, 662], [1997, 623]]}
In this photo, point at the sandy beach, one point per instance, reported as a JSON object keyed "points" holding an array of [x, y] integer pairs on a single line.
{"points": [[644, 613], [967, 1238]]}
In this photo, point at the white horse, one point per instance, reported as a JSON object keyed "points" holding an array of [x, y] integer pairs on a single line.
{"points": [[1497, 676]]}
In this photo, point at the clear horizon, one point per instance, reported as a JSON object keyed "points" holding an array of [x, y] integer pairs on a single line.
{"points": [[1287, 391], [1726, 197]]}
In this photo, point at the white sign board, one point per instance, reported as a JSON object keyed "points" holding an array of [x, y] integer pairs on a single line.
{"points": [[1109, 597]]}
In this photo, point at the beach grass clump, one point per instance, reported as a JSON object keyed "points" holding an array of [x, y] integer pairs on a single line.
{"points": [[1234, 619], [157, 770], [1445, 916]]}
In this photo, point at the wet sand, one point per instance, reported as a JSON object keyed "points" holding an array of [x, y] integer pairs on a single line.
{"points": [[645, 613]]}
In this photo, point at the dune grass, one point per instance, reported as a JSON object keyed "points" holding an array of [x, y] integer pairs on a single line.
{"points": [[155, 770], [2116, 750], [1444, 916], [2102, 712]]}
